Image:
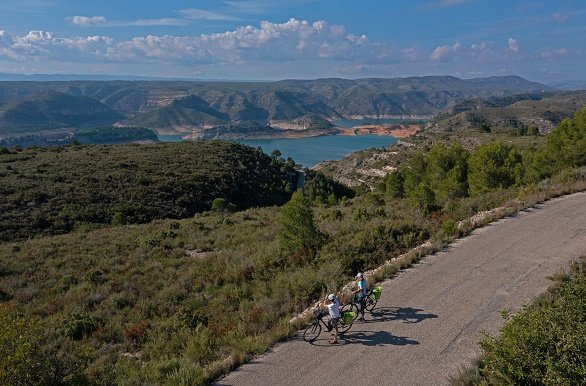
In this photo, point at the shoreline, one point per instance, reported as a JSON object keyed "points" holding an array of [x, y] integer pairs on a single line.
{"points": [[392, 130]]}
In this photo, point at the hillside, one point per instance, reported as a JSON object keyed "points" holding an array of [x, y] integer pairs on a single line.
{"points": [[187, 106], [522, 120], [54, 190], [543, 111], [54, 110], [97, 135]]}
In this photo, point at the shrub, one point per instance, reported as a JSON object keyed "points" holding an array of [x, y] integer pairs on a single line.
{"points": [[136, 332], [21, 361], [545, 343], [79, 325]]}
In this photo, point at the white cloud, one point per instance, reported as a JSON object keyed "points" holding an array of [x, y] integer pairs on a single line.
{"points": [[444, 4], [483, 50], [560, 17], [411, 53], [554, 53], [294, 40], [442, 51], [167, 21], [101, 21], [87, 21], [513, 45], [202, 14]]}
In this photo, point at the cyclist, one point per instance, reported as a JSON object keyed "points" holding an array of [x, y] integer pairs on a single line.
{"points": [[360, 291], [332, 304]]}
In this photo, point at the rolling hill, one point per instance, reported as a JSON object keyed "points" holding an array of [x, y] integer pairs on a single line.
{"points": [[54, 190], [543, 111], [54, 110], [169, 106]]}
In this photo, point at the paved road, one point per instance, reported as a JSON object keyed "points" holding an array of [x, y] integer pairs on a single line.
{"points": [[431, 317]]}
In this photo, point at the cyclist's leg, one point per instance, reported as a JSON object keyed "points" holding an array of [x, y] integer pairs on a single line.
{"points": [[335, 325], [362, 301]]}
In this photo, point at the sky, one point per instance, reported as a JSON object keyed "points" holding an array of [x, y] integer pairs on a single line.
{"points": [[543, 41]]}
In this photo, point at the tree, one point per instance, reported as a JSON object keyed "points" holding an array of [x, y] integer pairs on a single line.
{"points": [[566, 145], [299, 234], [414, 172], [447, 172], [394, 184], [493, 166], [222, 205]]}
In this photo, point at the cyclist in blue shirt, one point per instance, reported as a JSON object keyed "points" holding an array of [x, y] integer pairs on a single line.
{"points": [[361, 288]]}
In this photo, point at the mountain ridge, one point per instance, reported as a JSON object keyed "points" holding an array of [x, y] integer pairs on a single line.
{"points": [[157, 104]]}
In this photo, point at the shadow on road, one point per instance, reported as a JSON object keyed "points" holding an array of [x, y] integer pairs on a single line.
{"points": [[377, 338], [367, 338], [406, 314]]}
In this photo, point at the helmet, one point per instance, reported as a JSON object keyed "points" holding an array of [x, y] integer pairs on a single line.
{"points": [[331, 297], [359, 275]]}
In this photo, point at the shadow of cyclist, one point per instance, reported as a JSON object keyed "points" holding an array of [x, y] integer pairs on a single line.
{"points": [[406, 314], [377, 338]]}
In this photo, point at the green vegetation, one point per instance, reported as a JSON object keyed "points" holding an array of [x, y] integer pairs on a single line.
{"points": [[55, 190], [544, 344], [98, 135], [181, 301], [299, 235], [438, 178], [517, 115]]}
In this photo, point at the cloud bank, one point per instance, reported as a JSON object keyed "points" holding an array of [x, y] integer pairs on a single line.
{"points": [[292, 40]]}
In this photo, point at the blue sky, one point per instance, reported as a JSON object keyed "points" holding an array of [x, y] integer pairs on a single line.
{"points": [[271, 39]]}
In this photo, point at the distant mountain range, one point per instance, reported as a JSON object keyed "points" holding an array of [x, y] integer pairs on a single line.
{"points": [[195, 106]]}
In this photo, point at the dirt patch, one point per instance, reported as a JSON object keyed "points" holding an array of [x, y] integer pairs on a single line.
{"points": [[397, 131]]}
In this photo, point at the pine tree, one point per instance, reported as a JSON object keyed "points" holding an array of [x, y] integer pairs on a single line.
{"points": [[299, 234]]}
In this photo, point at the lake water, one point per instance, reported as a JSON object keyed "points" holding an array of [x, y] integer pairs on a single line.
{"points": [[312, 150]]}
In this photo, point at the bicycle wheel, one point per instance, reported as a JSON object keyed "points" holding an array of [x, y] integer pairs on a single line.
{"points": [[312, 332], [370, 302]]}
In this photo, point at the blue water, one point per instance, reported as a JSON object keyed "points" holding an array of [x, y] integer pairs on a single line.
{"points": [[171, 137], [312, 150]]}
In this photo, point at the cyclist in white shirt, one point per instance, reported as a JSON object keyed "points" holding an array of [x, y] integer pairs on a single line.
{"points": [[333, 306]]}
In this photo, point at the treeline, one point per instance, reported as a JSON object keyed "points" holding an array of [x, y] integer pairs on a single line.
{"points": [[55, 190], [98, 135], [436, 178]]}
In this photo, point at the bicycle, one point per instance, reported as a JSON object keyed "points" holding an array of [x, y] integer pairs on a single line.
{"points": [[314, 329], [372, 297]]}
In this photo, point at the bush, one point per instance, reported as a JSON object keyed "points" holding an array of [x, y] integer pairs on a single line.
{"points": [[21, 360], [545, 343], [79, 326]]}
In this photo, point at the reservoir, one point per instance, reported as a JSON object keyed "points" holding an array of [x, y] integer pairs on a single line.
{"points": [[311, 150]]}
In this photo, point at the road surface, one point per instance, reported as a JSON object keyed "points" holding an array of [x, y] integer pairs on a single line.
{"points": [[431, 317]]}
